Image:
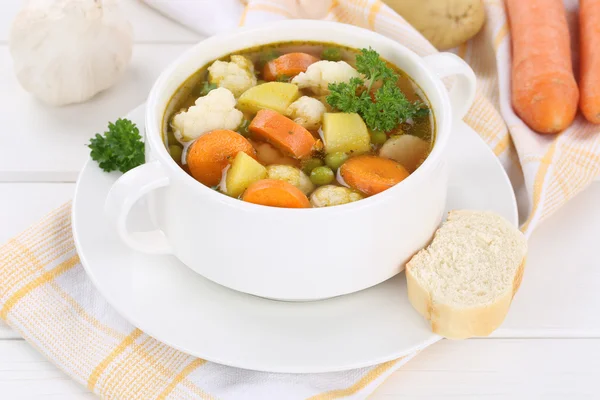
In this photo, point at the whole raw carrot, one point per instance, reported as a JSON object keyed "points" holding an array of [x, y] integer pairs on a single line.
{"points": [[544, 91], [589, 40]]}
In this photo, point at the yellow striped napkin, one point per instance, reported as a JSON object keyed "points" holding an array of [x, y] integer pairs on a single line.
{"points": [[46, 296]]}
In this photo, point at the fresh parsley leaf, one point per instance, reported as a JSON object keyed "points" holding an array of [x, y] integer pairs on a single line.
{"points": [[382, 109], [345, 96], [206, 88], [390, 108], [374, 68], [120, 148]]}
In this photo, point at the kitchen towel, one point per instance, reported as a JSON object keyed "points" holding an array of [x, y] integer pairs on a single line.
{"points": [[46, 296]]}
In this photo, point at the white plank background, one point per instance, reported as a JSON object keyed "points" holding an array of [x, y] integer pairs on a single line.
{"points": [[548, 348]]}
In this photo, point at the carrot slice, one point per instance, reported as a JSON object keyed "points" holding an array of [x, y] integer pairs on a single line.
{"points": [[211, 152], [275, 193], [288, 65], [371, 174], [589, 37], [544, 91], [283, 133]]}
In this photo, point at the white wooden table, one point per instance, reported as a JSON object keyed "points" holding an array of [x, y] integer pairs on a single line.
{"points": [[548, 348]]}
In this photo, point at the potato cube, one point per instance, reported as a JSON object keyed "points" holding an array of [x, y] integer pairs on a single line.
{"points": [[345, 132]]}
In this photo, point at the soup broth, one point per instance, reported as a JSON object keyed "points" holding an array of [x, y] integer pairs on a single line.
{"points": [[318, 125]]}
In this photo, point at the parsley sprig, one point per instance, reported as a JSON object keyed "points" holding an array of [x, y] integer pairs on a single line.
{"points": [[382, 109], [120, 148]]}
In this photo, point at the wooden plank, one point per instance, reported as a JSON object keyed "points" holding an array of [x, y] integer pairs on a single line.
{"points": [[148, 25], [23, 204], [499, 369], [6, 332], [559, 294], [43, 143], [472, 369], [26, 374]]}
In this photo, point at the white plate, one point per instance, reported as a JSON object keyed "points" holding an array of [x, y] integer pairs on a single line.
{"points": [[168, 301]]}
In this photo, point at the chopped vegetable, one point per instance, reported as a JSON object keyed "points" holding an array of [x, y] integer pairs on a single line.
{"points": [[408, 150], [378, 137], [306, 111], [272, 95], [335, 160], [283, 133], [371, 174], [213, 151], [244, 171], [267, 155], [320, 75], [236, 75], [589, 37], [331, 54], [346, 133], [321, 176], [120, 148], [382, 109], [309, 164], [275, 193], [287, 65], [330, 195], [216, 110], [544, 91], [291, 175]]}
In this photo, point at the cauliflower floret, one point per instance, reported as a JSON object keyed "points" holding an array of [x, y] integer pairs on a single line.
{"points": [[236, 75], [330, 195], [216, 110], [292, 176], [320, 74], [307, 112]]}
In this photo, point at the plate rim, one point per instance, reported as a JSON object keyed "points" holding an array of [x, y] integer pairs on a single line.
{"points": [[405, 352]]}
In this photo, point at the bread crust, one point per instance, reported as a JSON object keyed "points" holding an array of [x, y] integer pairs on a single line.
{"points": [[454, 323]]}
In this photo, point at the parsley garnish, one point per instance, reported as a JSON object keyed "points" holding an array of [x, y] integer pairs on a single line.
{"points": [[120, 148], [382, 109]]}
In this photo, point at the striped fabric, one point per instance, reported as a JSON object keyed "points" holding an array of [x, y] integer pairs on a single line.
{"points": [[47, 298]]}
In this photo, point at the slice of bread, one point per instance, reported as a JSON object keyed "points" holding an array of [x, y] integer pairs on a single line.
{"points": [[464, 281]]}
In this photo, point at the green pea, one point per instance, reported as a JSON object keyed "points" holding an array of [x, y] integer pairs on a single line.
{"points": [[378, 137], [310, 164], [176, 152], [335, 160], [321, 176], [331, 54]]}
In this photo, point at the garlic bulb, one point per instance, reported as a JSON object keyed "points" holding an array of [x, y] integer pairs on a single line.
{"points": [[66, 51]]}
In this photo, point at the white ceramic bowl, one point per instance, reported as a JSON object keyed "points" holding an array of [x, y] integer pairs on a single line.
{"points": [[292, 254]]}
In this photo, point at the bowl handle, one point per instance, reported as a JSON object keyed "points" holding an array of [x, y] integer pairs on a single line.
{"points": [[124, 193], [462, 93]]}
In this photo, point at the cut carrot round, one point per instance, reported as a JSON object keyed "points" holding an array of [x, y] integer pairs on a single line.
{"points": [[371, 174], [212, 152], [275, 193], [287, 65], [289, 137]]}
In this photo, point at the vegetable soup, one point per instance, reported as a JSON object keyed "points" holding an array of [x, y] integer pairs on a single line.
{"points": [[299, 125]]}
